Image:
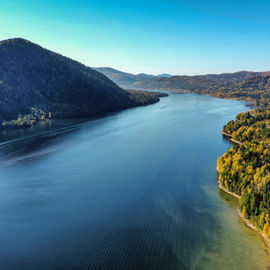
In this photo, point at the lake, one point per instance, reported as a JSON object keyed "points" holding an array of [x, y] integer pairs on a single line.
{"points": [[133, 190]]}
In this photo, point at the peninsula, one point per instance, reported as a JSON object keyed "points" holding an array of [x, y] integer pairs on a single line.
{"points": [[244, 170]]}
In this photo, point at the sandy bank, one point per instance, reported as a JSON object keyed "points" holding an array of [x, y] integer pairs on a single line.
{"points": [[231, 138], [229, 192], [251, 226]]}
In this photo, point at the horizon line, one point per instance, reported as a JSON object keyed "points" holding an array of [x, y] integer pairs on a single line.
{"points": [[136, 74]]}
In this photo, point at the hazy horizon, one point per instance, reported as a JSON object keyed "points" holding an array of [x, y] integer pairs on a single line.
{"points": [[157, 74], [152, 37], [151, 74]]}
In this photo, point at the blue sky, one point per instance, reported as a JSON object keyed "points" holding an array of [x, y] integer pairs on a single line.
{"points": [[172, 36]]}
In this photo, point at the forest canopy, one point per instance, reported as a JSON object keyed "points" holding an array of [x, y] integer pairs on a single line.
{"points": [[37, 84], [245, 168]]}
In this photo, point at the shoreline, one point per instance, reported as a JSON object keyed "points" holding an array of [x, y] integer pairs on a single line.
{"points": [[253, 227], [245, 220], [230, 136], [229, 192], [226, 190]]}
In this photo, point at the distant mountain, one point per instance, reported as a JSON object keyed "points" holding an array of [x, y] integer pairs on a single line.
{"points": [[34, 77], [168, 82], [130, 81], [123, 79], [165, 75], [255, 89], [257, 82], [145, 75]]}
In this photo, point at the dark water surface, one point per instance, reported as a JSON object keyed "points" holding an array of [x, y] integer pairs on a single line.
{"points": [[134, 190]]}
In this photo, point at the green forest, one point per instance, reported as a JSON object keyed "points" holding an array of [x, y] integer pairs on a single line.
{"points": [[245, 168], [37, 85]]}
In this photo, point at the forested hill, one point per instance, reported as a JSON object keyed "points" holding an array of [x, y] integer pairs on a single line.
{"points": [[245, 168], [38, 83], [256, 83], [168, 82], [255, 89], [125, 80], [212, 82]]}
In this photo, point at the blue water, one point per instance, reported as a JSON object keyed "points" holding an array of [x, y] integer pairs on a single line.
{"points": [[134, 190]]}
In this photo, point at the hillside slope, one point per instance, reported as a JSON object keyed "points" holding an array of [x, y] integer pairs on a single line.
{"points": [[123, 79], [34, 77], [167, 82], [256, 83], [245, 168], [255, 89]]}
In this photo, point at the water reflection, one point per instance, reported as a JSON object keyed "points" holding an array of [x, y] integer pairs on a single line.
{"points": [[134, 190]]}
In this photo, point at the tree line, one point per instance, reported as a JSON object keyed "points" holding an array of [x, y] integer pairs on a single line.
{"points": [[245, 168]]}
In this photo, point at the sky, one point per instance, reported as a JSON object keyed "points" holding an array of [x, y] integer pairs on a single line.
{"points": [[171, 36]]}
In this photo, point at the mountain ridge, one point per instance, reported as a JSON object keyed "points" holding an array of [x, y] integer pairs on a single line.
{"points": [[34, 77], [177, 82]]}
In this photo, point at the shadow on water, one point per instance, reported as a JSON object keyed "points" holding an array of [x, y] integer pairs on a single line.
{"points": [[134, 190], [45, 138]]}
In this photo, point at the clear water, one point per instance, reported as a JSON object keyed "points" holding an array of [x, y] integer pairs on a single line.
{"points": [[134, 190]]}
